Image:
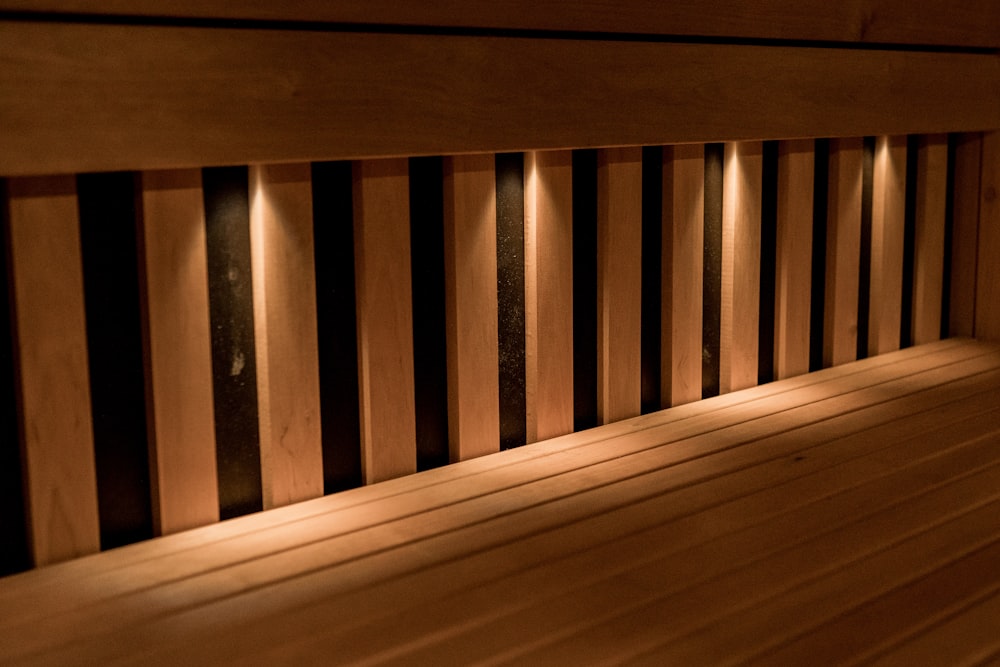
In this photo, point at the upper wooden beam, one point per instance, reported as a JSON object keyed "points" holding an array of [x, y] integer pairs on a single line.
{"points": [[933, 22], [79, 97]]}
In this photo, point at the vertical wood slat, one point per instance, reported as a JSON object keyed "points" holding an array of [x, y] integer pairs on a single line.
{"points": [[964, 234], [385, 318], [470, 250], [180, 406], [54, 391], [988, 282], [548, 265], [741, 209], [793, 286], [284, 283], [928, 259], [683, 256], [840, 321], [888, 231], [619, 283]]}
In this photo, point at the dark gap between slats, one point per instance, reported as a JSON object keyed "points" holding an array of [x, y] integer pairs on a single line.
{"points": [[336, 325], [430, 350], [15, 555], [712, 272], [584, 289], [109, 245], [768, 263], [510, 298], [234, 365], [865, 268], [949, 231], [909, 241], [821, 193], [652, 263]]}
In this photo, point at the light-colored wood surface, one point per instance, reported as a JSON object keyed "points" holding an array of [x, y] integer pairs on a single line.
{"points": [[929, 236], [843, 255], [385, 318], [683, 256], [81, 97], [888, 232], [178, 351], [896, 21], [988, 282], [51, 359], [965, 234], [831, 497], [470, 270], [548, 300], [741, 208], [619, 283], [284, 295], [793, 259]]}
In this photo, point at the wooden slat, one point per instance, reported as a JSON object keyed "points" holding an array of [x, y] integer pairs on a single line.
{"points": [[81, 97], [894, 21], [470, 251], [741, 208], [843, 238], [51, 358], [793, 287], [988, 281], [385, 319], [548, 304], [178, 351], [928, 259], [284, 286], [888, 231], [964, 235], [619, 283], [967, 638], [683, 250]]}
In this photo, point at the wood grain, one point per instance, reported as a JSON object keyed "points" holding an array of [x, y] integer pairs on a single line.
{"points": [[741, 208], [51, 360], [385, 319], [888, 232], [84, 97], [470, 251], [178, 351], [895, 21], [619, 283], [988, 282], [928, 258], [793, 285], [683, 254], [284, 293], [548, 303], [965, 234], [843, 238]]}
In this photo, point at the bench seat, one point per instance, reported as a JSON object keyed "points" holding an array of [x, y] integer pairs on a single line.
{"points": [[848, 514]]}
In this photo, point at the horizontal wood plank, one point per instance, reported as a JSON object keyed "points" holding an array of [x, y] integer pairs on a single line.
{"points": [[970, 23], [81, 97]]}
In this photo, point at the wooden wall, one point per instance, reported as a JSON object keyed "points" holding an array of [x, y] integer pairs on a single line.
{"points": [[819, 189]]}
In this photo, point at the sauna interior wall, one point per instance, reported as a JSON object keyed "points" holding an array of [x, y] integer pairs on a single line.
{"points": [[257, 231]]}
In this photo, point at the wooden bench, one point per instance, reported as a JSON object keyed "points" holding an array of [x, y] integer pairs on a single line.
{"points": [[256, 256], [846, 514]]}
